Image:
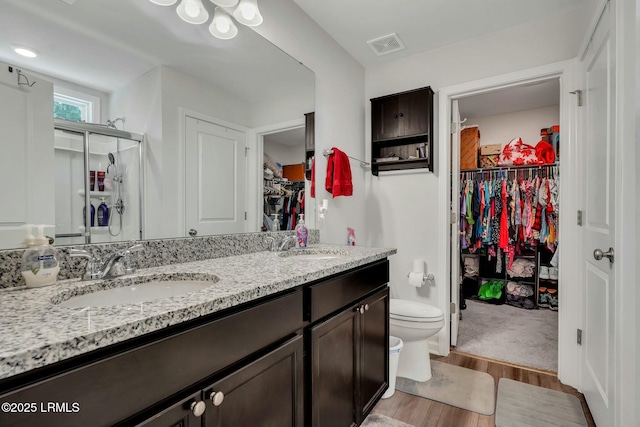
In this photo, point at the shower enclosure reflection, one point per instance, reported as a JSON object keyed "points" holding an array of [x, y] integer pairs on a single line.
{"points": [[98, 183]]}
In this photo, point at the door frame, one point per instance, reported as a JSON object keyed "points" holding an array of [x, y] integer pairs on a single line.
{"points": [[255, 182], [182, 130], [571, 309]]}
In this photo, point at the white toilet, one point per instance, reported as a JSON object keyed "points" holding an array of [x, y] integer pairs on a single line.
{"points": [[414, 322]]}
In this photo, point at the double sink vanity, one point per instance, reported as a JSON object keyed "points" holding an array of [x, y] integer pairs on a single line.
{"points": [[291, 338]]}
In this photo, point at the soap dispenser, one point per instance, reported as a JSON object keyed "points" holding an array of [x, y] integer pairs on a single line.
{"points": [[302, 233], [40, 265]]}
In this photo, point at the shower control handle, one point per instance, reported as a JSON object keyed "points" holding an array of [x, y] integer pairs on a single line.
{"points": [[193, 232]]}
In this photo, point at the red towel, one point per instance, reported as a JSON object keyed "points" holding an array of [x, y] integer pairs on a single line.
{"points": [[313, 177], [338, 180]]}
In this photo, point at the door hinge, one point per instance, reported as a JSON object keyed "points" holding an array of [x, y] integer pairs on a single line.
{"points": [[578, 94], [453, 308], [454, 128], [245, 215], [246, 151], [453, 218], [579, 337], [579, 219]]}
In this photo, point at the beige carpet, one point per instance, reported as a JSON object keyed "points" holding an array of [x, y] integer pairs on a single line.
{"points": [[379, 420], [511, 334], [526, 405], [460, 387]]}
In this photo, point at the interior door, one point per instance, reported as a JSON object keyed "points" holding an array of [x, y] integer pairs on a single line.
{"points": [[214, 178], [598, 376], [26, 153], [455, 215]]}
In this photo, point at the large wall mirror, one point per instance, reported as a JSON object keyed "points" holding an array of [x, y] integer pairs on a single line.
{"points": [[208, 110]]}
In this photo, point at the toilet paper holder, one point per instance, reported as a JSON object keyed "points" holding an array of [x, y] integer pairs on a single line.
{"points": [[427, 277]]}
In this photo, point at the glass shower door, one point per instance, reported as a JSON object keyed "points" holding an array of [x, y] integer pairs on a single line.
{"points": [[108, 166]]}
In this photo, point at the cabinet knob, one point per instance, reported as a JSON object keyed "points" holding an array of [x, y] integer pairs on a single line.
{"points": [[193, 232], [366, 307], [395, 116], [216, 398], [401, 114], [198, 408], [361, 309]]}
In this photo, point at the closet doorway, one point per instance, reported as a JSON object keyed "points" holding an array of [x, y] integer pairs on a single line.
{"points": [[504, 242], [283, 196]]}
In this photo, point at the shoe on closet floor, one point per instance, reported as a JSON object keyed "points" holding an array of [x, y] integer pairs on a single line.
{"points": [[552, 299], [553, 273], [544, 272], [543, 297]]}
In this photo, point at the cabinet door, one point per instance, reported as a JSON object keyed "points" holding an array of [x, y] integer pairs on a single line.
{"points": [[333, 370], [414, 112], [374, 354], [267, 393], [384, 118], [187, 413]]}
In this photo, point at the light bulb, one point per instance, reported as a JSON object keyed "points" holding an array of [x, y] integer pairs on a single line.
{"points": [[248, 13], [223, 25], [192, 9]]}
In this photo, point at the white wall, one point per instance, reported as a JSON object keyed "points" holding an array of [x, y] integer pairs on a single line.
{"points": [[154, 104], [502, 128], [285, 154], [339, 117], [403, 210]]}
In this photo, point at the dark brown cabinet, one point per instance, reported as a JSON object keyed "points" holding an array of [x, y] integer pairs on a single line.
{"points": [[319, 351], [402, 131], [309, 141], [267, 392], [349, 363]]}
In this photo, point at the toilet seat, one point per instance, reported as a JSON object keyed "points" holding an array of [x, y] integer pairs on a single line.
{"points": [[413, 311]]}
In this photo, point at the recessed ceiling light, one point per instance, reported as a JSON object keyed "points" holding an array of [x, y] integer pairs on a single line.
{"points": [[25, 51]]}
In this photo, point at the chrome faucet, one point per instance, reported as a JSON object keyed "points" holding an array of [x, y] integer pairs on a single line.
{"points": [[277, 245], [117, 265]]}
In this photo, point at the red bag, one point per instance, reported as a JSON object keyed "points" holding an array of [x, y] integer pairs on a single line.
{"points": [[545, 153], [517, 153]]}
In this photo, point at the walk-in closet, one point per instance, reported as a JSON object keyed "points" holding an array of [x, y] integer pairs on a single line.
{"points": [[284, 185], [508, 225]]}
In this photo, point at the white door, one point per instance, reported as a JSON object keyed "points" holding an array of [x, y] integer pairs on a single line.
{"points": [[215, 179], [598, 376], [26, 155], [455, 218]]}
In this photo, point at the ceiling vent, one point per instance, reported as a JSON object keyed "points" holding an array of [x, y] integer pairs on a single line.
{"points": [[386, 44], [69, 2]]}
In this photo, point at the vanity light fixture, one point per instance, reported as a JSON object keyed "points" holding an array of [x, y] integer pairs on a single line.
{"points": [[192, 11], [225, 3], [247, 13], [164, 2], [25, 51], [222, 26]]}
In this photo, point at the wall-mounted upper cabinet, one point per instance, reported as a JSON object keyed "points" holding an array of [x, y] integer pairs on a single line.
{"points": [[309, 141], [402, 131], [402, 115]]}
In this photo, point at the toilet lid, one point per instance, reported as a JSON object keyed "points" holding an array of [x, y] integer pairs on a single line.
{"points": [[414, 311]]}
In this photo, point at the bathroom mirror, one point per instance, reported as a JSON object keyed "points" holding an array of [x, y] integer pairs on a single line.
{"points": [[141, 62]]}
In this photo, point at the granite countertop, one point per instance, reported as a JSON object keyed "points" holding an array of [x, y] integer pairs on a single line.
{"points": [[35, 330]]}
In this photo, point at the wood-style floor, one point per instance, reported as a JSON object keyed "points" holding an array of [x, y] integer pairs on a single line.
{"points": [[421, 412]]}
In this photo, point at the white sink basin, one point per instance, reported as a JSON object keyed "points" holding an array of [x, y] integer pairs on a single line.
{"points": [[311, 254], [136, 293]]}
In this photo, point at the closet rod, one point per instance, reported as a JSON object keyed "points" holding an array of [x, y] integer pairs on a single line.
{"points": [[326, 153], [510, 168]]}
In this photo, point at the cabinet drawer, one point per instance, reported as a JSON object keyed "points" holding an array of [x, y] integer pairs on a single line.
{"points": [[112, 389], [331, 295]]}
